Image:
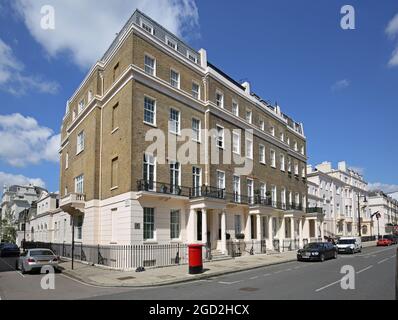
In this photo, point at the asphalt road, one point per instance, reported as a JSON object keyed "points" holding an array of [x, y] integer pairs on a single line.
{"points": [[374, 271]]}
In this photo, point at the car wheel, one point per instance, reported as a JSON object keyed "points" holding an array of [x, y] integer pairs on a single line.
{"points": [[352, 251], [335, 255], [322, 257]]}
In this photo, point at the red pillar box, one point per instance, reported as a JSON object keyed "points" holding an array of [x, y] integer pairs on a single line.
{"points": [[195, 258]]}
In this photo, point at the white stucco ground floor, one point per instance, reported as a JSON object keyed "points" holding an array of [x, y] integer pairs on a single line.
{"points": [[137, 218]]}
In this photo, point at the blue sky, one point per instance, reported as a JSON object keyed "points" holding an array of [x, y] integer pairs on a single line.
{"points": [[339, 83]]}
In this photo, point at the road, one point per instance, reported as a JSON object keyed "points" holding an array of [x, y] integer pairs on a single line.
{"points": [[374, 279]]}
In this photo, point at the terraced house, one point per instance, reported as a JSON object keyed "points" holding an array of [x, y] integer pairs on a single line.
{"points": [[126, 191]]}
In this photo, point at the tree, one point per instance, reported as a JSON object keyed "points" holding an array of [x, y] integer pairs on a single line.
{"points": [[8, 227]]}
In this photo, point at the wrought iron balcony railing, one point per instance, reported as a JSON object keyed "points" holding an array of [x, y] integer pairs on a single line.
{"points": [[314, 210], [164, 188]]}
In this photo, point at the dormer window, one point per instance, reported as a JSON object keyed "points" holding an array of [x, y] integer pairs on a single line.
{"points": [[192, 57], [147, 27], [171, 43]]}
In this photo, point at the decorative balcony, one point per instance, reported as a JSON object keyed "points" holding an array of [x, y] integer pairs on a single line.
{"points": [[314, 210], [208, 192], [162, 188], [73, 202]]}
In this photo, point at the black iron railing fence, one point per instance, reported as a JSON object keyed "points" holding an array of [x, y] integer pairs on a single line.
{"points": [[124, 257], [237, 248]]}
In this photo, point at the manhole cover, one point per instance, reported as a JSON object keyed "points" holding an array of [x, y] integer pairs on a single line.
{"points": [[126, 278], [248, 289]]}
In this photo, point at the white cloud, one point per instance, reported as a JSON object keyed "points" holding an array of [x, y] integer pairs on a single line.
{"points": [[85, 29], [23, 141], [387, 188], [340, 85], [392, 32], [392, 28], [10, 179], [14, 80], [394, 58]]}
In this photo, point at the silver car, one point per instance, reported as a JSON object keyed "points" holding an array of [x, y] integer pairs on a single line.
{"points": [[35, 259]]}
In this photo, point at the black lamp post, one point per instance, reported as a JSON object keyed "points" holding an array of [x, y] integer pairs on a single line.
{"points": [[365, 201]]}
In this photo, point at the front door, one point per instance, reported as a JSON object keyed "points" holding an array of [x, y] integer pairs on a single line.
{"points": [[199, 225]]}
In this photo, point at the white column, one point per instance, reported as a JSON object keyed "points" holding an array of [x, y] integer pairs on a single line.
{"points": [[282, 231], [223, 231], [191, 226], [204, 226], [258, 226], [248, 227], [301, 232], [322, 229], [292, 228], [270, 237]]}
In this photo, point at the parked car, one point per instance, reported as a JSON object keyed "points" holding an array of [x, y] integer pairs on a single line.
{"points": [[35, 259], [384, 242], [9, 250], [349, 245], [393, 238], [319, 251]]}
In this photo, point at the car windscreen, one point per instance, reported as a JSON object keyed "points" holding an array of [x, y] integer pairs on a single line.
{"points": [[313, 246], [36, 253], [10, 247], [347, 241]]}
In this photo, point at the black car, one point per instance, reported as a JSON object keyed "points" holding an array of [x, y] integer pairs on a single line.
{"points": [[319, 251], [9, 250]]}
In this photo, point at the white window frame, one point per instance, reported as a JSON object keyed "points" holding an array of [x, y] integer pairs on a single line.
{"points": [[198, 131], [236, 187], [283, 197], [177, 213], [262, 124], [296, 168], [195, 94], [235, 108], [236, 148], [249, 151], [272, 131], [81, 106], [272, 155], [79, 184], [250, 189], [282, 162], [173, 80], [149, 160], [221, 174], [153, 238], [261, 151], [144, 25], [154, 111], [175, 121], [220, 103], [249, 116], [220, 138], [80, 143], [173, 42], [194, 56], [67, 160], [153, 73]]}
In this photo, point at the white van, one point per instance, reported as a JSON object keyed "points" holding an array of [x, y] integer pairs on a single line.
{"points": [[349, 244]]}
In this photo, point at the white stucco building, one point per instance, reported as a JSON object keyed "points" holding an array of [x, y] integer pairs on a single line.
{"points": [[387, 206], [338, 192]]}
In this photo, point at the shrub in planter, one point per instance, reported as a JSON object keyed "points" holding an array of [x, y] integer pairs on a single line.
{"points": [[228, 236]]}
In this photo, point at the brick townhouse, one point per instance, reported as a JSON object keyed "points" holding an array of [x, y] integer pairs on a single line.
{"points": [[123, 191]]}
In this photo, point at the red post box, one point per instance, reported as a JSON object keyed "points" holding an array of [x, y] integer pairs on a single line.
{"points": [[195, 258]]}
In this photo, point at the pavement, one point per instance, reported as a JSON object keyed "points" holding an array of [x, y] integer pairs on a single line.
{"points": [[175, 274], [238, 279]]}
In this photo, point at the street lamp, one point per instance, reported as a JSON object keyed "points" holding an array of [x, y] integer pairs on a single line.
{"points": [[365, 201]]}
